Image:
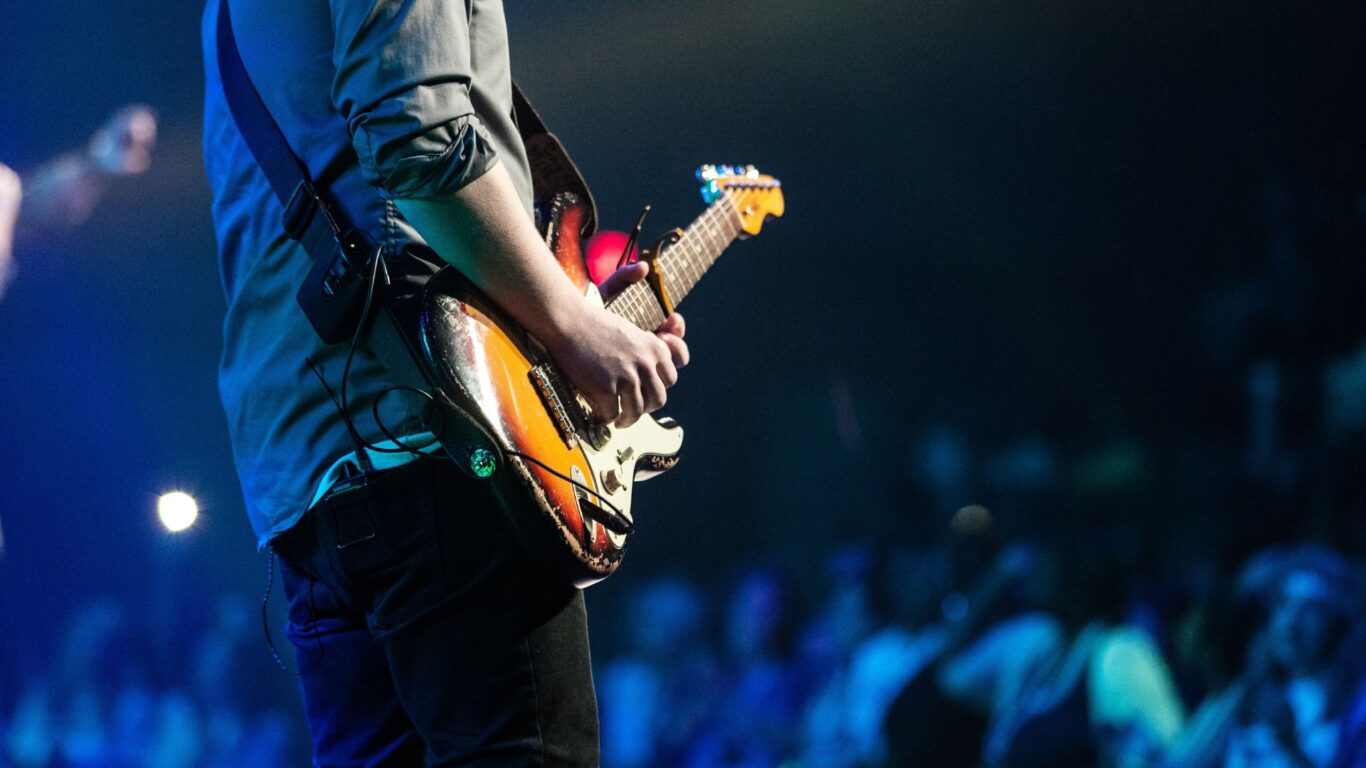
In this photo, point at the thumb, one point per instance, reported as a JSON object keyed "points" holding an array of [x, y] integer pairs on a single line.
{"points": [[615, 282]]}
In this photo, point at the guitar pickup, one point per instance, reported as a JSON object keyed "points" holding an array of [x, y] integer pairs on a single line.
{"points": [[545, 381]]}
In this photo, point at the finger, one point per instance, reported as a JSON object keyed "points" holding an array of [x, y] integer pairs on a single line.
{"points": [[606, 406], [615, 282], [673, 324], [667, 372], [632, 404], [653, 387], [678, 349]]}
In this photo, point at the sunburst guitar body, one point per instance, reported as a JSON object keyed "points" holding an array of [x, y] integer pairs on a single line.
{"points": [[564, 476]]}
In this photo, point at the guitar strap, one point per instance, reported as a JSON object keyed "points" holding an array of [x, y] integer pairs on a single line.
{"points": [[333, 294]]}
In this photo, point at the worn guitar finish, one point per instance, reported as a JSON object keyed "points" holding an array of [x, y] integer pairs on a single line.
{"points": [[564, 477]]}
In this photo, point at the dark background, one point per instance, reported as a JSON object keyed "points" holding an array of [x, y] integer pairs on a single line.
{"points": [[1079, 225]]}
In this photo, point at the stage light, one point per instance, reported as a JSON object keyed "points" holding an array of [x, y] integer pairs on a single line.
{"points": [[178, 510]]}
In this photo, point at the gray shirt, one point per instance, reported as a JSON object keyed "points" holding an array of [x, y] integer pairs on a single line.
{"points": [[376, 97]]}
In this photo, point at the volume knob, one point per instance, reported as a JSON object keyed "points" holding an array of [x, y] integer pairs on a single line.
{"points": [[611, 482]]}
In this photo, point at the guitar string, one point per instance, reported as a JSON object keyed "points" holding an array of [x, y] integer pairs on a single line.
{"points": [[716, 234], [693, 259], [685, 255]]}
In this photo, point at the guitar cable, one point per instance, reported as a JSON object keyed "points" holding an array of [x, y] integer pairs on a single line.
{"points": [[363, 445]]}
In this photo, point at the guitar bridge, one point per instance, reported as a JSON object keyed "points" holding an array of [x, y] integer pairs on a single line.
{"points": [[547, 386]]}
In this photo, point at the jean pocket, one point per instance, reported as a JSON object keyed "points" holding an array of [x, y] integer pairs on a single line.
{"points": [[392, 560], [381, 528]]}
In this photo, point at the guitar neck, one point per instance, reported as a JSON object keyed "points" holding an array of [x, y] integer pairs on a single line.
{"points": [[682, 264]]}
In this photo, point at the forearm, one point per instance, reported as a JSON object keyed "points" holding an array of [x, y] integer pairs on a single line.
{"points": [[483, 230]]}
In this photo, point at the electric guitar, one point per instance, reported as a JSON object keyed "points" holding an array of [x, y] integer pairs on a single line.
{"points": [[564, 476]]}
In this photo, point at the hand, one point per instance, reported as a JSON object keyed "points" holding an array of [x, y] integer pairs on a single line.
{"points": [[123, 146], [622, 371], [670, 331]]}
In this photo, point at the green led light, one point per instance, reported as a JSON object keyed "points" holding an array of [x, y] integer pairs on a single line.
{"points": [[482, 462]]}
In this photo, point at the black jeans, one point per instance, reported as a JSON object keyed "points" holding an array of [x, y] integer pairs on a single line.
{"points": [[423, 632]]}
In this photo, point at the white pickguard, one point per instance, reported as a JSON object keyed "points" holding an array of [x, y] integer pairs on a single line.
{"points": [[615, 466]]}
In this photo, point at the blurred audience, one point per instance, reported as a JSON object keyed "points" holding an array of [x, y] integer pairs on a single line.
{"points": [[1048, 656], [760, 688], [99, 704], [108, 701], [1133, 598], [654, 698], [963, 652]]}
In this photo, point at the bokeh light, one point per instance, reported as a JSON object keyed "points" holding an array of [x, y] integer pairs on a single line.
{"points": [[177, 510]]}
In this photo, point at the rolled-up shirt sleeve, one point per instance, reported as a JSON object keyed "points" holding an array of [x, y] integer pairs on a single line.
{"points": [[403, 78]]}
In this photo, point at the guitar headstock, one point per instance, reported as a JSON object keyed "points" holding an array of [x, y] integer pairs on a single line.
{"points": [[756, 196]]}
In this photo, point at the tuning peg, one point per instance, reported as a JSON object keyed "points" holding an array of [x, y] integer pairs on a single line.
{"points": [[706, 173], [711, 192], [751, 172]]}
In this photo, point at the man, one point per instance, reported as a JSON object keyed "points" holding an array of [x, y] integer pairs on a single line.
{"points": [[419, 626]]}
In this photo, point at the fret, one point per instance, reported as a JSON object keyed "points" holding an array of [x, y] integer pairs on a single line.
{"points": [[623, 305], [637, 304], [633, 304], [651, 314], [711, 234], [715, 244], [687, 260], [635, 308]]}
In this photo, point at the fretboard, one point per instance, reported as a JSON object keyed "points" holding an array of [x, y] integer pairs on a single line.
{"points": [[682, 264]]}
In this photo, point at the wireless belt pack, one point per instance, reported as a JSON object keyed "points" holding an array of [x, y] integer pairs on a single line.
{"points": [[333, 295]]}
